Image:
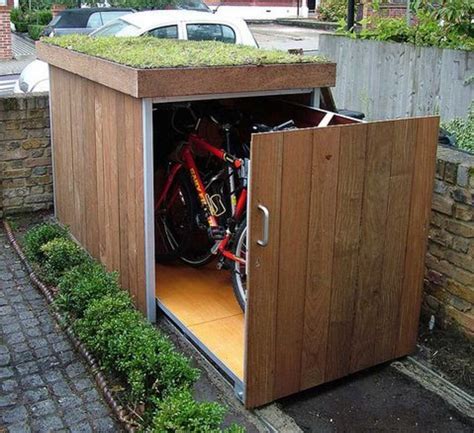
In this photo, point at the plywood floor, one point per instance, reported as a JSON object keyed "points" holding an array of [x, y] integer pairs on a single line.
{"points": [[203, 300]]}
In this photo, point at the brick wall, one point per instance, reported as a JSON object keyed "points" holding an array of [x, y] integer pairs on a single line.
{"points": [[449, 282], [25, 155], [5, 33]]}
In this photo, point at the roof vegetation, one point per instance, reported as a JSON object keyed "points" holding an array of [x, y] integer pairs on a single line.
{"points": [[149, 52]]}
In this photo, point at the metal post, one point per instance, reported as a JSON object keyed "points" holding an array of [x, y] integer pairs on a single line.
{"points": [[350, 15], [408, 18]]}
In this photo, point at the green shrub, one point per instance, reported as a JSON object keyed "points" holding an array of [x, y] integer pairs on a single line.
{"points": [[463, 130], [83, 284], [39, 235], [180, 413], [21, 26], [34, 31], [16, 15], [332, 10], [126, 345], [132, 348], [41, 17], [60, 255], [447, 26]]}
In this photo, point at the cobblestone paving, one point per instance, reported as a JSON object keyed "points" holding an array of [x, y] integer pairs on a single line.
{"points": [[44, 385]]}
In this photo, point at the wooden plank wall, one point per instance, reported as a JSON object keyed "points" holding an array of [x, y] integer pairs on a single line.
{"points": [[98, 174], [338, 288]]}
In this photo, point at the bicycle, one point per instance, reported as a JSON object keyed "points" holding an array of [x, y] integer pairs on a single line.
{"points": [[200, 215]]}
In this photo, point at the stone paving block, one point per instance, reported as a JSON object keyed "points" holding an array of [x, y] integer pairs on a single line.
{"points": [[75, 416], [47, 424], [35, 395], [6, 372], [31, 381], [8, 385], [103, 425], [8, 400], [45, 385], [19, 428], [42, 408], [83, 384], [73, 370], [67, 402], [14, 415], [52, 376], [83, 427], [4, 359]]}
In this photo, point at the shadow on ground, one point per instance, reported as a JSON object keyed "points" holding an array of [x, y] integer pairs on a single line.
{"points": [[377, 400]]}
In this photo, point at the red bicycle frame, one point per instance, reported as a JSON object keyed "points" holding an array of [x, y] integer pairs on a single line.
{"points": [[186, 154]]}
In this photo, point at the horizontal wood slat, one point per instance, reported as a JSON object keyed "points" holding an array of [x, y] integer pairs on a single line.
{"points": [[155, 83], [98, 174], [349, 212]]}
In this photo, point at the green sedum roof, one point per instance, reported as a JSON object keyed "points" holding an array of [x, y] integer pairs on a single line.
{"points": [[148, 52]]}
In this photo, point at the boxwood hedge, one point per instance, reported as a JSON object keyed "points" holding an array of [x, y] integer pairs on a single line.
{"points": [[155, 376]]}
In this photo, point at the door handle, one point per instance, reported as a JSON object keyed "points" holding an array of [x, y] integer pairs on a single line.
{"points": [[266, 225]]}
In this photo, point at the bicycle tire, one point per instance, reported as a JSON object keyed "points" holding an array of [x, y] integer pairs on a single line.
{"points": [[174, 220], [239, 275]]}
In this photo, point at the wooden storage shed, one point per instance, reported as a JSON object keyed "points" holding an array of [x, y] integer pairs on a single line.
{"points": [[338, 286]]}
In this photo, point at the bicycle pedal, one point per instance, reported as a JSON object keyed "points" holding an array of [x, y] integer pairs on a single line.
{"points": [[216, 233]]}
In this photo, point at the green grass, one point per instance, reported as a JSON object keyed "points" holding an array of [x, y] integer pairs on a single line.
{"points": [[150, 52]]}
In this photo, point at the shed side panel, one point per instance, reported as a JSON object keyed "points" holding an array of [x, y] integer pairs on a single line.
{"points": [[98, 174]]}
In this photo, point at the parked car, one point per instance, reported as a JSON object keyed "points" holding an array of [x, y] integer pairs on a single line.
{"points": [[188, 25], [169, 24], [82, 20]]}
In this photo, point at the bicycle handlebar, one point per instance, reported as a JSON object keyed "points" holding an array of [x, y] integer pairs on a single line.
{"points": [[261, 127]]}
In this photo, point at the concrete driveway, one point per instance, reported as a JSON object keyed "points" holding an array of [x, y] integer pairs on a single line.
{"points": [[286, 37]]}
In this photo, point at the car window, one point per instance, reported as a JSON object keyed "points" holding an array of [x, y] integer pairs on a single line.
{"points": [[117, 27], [166, 32], [71, 19], [95, 21], [210, 32], [108, 16]]}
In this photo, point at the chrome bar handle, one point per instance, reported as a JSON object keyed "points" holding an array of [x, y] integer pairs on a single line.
{"points": [[266, 225]]}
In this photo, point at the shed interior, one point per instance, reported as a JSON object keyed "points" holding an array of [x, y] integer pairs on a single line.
{"points": [[200, 300]]}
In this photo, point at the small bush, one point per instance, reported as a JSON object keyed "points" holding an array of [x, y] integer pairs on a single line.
{"points": [[180, 413], [83, 284], [131, 348], [441, 27], [16, 15], [34, 31], [40, 235], [332, 10], [21, 26], [60, 255], [463, 130], [41, 17]]}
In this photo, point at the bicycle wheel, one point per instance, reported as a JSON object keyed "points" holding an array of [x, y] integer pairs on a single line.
{"points": [[174, 220], [239, 274], [198, 250]]}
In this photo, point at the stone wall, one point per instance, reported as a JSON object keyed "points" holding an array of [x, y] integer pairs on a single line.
{"points": [[26, 182], [449, 282]]}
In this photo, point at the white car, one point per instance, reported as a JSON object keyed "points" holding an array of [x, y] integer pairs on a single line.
{"points": [[169, 24]]}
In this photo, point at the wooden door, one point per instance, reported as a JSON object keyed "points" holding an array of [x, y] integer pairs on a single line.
{"points": [[338, 286]]}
